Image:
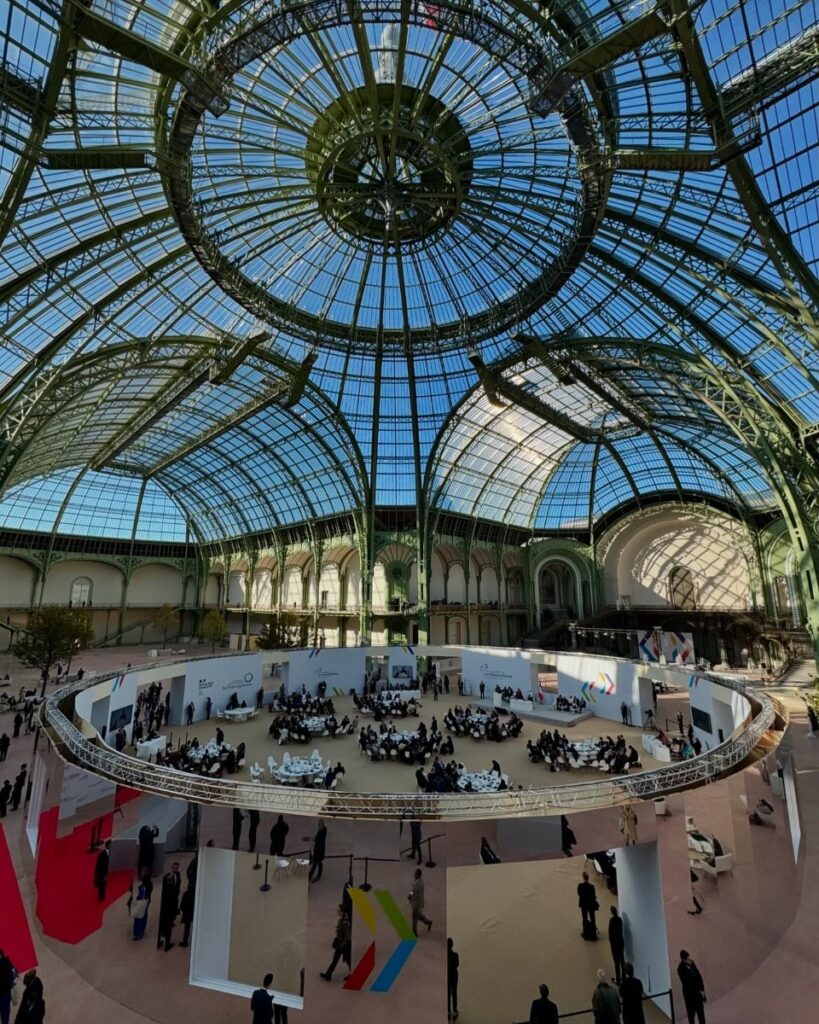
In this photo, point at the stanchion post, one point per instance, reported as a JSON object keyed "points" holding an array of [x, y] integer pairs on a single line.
{"points": [[266, 886], [257, 866], [430, 861], [365, 885]]}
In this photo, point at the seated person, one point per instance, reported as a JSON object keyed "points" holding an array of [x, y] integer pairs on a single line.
{"points": [[488, 855]]}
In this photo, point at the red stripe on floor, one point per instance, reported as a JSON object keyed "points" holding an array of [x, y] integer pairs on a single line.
{"points": [[15, 934]]}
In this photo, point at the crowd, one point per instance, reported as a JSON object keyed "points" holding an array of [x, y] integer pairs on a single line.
{"points": [[151, 712], [482, 724], [573, 705], [561, 754], [302, 703], [214, 758], [507, 694], [380, 706], [301, 728], [388, 743]]}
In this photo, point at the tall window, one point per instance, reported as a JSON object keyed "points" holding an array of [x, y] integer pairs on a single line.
{"points": [[81, 590], [681, 588]]}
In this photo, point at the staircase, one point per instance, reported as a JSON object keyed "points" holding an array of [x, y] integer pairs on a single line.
{"points": [[801, 673], [117, 634]]}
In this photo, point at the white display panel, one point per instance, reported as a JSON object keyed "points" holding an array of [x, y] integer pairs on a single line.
{"points": [[604, 683], [340, 668]]}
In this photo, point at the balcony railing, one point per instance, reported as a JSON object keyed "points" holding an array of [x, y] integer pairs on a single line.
{"points": [[94, 755]]}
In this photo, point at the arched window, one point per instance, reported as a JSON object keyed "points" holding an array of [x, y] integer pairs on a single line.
{"points": [[681, 588], [81, 591], [548, 586]]}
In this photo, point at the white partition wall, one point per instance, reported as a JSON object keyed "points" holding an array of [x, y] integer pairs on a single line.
{"points": [[715, 710], [640, 895], [604, 683], [219, 678], [402, 665], [341, 668], [497, 668]]}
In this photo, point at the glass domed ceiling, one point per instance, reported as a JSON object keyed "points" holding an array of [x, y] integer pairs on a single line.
{"points": [[278, 260]]}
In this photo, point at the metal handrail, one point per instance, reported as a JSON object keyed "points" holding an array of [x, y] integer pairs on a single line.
{"points": [[94, 755]]}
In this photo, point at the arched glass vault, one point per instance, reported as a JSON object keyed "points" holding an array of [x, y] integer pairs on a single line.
{"points": [[262, 265]]}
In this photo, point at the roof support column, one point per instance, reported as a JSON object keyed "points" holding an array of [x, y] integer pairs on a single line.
{"points": [[504, 631]]}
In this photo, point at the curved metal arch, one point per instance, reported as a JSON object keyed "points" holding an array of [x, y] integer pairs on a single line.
{"points": [[230, 503]]}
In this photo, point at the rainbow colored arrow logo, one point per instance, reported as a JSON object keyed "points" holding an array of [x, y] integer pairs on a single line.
{"points": [[603, 684], [406, 942]]}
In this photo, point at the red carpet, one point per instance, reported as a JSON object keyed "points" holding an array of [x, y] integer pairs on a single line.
{"points": [[15, 935], [67, 904]]}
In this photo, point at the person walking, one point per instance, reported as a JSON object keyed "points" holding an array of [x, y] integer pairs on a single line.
{"points": [[416, 899], [17, 788], [101, 870], [415, 839], [261, 1002], [605, 1001], [693, 988], [139, 903], [631, 994], [617, 942], [168, 911], [18, 724], [317, 856], [145, 857], [813, 718], [567, 836], [342, 943], [487, 854], [253, 818], [543, 1010], [278, 837], [186, 906], [238, 818], [32, 1004], [5, 743], [453, 963], [8, 975], [587, 901], [5, 796]]}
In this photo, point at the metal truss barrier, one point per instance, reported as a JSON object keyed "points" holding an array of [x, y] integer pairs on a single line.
{"points": [[92, 754]]}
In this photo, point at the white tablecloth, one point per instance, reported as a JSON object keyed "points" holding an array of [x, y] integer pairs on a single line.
{"points": [[659, 751], [197, 754], [390, 695], [297, 767], [315, 726], [148, 748], [238, 714], [481, 782]]}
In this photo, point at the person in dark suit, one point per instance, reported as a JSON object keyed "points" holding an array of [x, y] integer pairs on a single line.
{"points": [[101, 870], [693, 988], [453, 963], [617, 942], [208, 707], [238, 818], [145, 857], [631, 994], [587, 901], [17, 788], [342, 943], [168, 910], [176, 878], [186, 907], [253, 819], [189, 713], [278, 836], [543, 1010], [261, 1002], [5, 796], [319, 847], [488, 855], [415, 838]]}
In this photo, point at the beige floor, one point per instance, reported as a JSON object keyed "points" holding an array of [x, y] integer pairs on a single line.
{"points": [[364, 776], [516, 926]]}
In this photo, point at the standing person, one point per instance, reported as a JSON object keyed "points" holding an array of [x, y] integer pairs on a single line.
{"points": [[208, 707], [416, 898], [567, 837], [139, 903], [680, 722], [260, 698], [253, 818], [5, 743], [543, 1010], [168, 910], [617, 942], [446, 684], [32, 1004], [605, 1001], [415, 837], [631, 993], [17, 788], [342, 943], [145, 857], [628, 825], [186, 906], [624, 712], [8, 976], [278, 836], [18, 722], [693, 988], [101, 870], [650, 723], [5, 796], [189, 713], [813, 718], [317, 856], [261, 1002], [238, 818], [587, 901], [488, 855], [482, 689], [453, 963]]}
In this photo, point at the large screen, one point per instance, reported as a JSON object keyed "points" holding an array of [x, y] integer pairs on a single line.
{"points": [[701, 720]]}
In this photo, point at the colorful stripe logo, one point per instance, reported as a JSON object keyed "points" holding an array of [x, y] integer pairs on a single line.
{"points": [[406, 942], [314, 653], [602, 684], [693, 682], [117, 682]]}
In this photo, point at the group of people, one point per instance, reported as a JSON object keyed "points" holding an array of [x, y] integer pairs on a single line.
{"points": [[380, 706], [11, 795], [302, 703], [294, 728], [28, 992], [151, 712], [388, 743], [482, 724], [507, 694], [215, 758], [572, 705]]}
